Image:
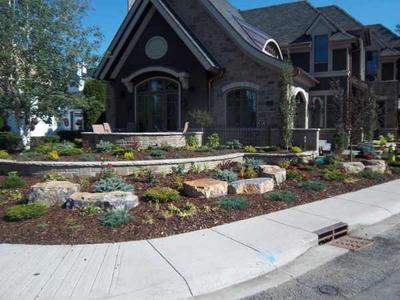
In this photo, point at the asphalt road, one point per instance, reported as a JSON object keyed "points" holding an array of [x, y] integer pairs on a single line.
{"points": [[370, 273]]}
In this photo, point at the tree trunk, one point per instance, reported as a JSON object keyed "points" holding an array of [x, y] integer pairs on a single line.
{"points": [[25, 133]]}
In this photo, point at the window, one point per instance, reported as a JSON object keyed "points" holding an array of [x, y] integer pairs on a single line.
{"points": [[241, 108], [321, 53], [339, 59], [388, 71], [301, 60], [372, 64]]}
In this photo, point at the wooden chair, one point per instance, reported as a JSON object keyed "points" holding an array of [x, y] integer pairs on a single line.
{"points": [[98, 128], [185, 128], [107, 128]]}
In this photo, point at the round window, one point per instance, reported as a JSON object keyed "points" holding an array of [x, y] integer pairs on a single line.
{"points": [[156, 47]]}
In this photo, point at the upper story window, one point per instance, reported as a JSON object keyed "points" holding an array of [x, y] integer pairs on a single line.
{"points": [[321, 50], [339, 59], [388, 71], [372, 64], [241, 108]]}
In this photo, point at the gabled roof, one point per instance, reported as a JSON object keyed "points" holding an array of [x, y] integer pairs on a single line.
{"points": [[389, 38], [130, 25], [341, 18]]}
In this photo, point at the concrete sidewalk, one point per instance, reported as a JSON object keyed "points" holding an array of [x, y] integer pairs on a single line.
{"points": [[189, 264]]}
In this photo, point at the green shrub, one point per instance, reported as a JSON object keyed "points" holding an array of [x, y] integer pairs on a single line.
{"points": [[372, 175], [247, 172], [296, 149], [10, 141], [53, 155], [67, 149], [382, 140], [213, 141], [112, 184], [161, 195], [4, 155], [53, 175], [313, 185], [87, 157], [13, 181], [391, 137], [25, 212], [294, 174], [116, 218], [253, 163], [270, 148], [284, 196], [129, 155], [234, 145], [249, 149], [233, 203], [30, 155], [225, 175], [201, 118], [192, 141], [104, 147], [334, 175], [157, 153], [91, 210]]}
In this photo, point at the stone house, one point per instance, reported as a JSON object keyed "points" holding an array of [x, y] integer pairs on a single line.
{"points": [[171, 57]]}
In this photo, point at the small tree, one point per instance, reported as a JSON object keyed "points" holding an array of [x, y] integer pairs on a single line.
{"points": [[287, 107], [339, 141], [94, 103], [202, 118]]}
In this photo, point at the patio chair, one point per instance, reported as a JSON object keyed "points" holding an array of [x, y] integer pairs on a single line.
{"points": [[98, 128], [107, 128], [185, 128]]}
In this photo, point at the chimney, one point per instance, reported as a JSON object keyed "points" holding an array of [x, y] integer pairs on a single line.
{"points": [[130, 3]]}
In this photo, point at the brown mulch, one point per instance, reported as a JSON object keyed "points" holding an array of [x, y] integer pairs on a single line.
{"points": [[62, 226]]}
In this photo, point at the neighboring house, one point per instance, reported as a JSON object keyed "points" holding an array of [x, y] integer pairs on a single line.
{"points": [[170, 57]]}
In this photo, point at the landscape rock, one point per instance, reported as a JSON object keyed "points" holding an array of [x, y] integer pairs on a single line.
{"points": [[375, 165], [275, 172], [252, 186], [52, 192], [353, 167], [110, 200], [205, 188]]}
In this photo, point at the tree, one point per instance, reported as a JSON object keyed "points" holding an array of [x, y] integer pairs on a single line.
{"points": [[94, 103], [40, 52], [339, 140], [201, 118]]}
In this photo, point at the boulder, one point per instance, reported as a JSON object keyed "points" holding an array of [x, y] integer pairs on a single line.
{"points": [[252, 186], [205, 188], [353, 167], [110, 200], [375, 165], [275, 172], [52, 192]]}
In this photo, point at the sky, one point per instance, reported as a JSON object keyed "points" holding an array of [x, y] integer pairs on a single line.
{"points": [[108, 14]]}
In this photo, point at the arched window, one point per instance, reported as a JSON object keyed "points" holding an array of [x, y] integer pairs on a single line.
{"points": [[158, 105], [241, 108]]}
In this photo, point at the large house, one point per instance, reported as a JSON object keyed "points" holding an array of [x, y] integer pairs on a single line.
{"points": [[171, 57]]}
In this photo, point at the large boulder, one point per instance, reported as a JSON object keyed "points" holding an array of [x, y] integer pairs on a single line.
{"points": [[110, 200], [375, 165], [205, 188], [52, 192], [275, 172], [353, 167], [252, 186]]}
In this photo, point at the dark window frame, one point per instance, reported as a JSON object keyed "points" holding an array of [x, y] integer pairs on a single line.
{"points": [[321, 53], [338, 65], [241, 118]]}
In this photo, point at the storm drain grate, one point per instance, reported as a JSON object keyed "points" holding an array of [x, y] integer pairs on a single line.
{"points": [[351, 243], [331, 233]]}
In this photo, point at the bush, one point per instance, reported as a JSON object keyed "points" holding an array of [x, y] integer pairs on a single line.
{"points": [[129, 155], [334, 175], [234, 145], [53, 176], [25, 212], [116, 218], [201, 118], [13, 181], [233, 202], [391, 137], [372, 175], [214, 141], [247, 172], [226, 175], [67, 149], [192, 141], [104, 147], [4, 154], [10, 141], [296, 149], [313, 186], [40, 140], [284, 196], [53, 155], [294, 174], [249, 149], [270, 148], [112, 184], [91, 210], [161, 195], [395, 170], [253, 163], [157, 153], [87, 157], [382, 140]]}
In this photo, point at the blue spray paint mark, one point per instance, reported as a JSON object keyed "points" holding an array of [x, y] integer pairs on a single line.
{"points": [[268, 257]]}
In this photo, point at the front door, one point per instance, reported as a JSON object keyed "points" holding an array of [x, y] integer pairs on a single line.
{"points": [[157, 105]]}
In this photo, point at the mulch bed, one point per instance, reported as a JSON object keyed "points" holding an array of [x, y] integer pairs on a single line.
{"points": [[62, 226]]}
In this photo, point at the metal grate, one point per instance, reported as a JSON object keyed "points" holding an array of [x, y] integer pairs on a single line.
{"points": [[331, 233], [351, 243]]}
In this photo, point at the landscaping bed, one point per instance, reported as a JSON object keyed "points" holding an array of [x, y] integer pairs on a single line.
{"points": [[153, 219]]}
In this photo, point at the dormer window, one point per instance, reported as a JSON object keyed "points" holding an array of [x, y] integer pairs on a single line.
{"points": [[321, 53]]}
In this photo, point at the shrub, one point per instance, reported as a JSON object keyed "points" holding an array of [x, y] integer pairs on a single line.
{"points": [[91, 210], [313, 186], [30, 155], [225, 175], [116, 218], [192, 141], [390, 137], [4, 154], [270, 148], [107, 172], [284, 196], [53, 176], [296, 149], [88, 157], [395, 170], [247, 172], [285, 164], [294, 174], [180, 169], [178, 181], [157, 153], [25, 212], [372, 175], [253, 163], [129, 155], [13, 181], [202, 118], [249, 149], [382, 140], [334, 175], [67, 149], [234, 145], [161, 195], [233, 202], [10, 141], [111, 184], [227, 165], [213, 141], [104, 147], [188, 210], [53, 155]]}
